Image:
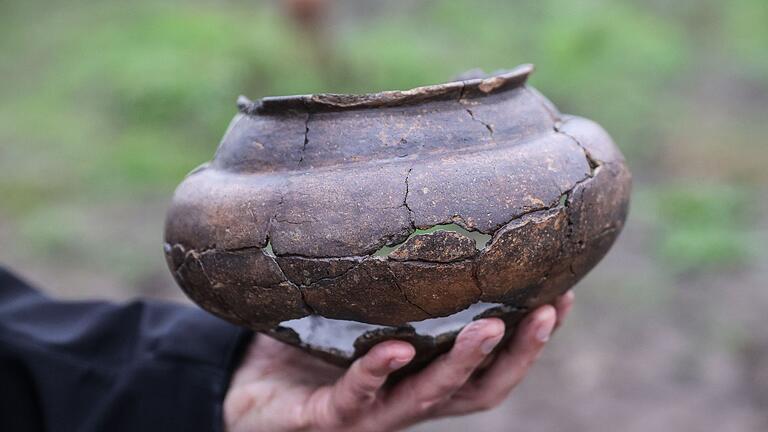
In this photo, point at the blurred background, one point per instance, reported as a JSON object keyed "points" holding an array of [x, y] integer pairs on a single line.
{"points": [[106, 105]]}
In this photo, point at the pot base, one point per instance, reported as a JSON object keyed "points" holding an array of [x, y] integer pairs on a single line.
{"points": [[340, 342]]}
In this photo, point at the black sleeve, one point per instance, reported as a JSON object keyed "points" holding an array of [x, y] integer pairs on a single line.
{"points": [[95, 366]]}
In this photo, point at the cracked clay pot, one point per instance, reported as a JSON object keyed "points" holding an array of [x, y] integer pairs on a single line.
{"points": [[333, 222]]}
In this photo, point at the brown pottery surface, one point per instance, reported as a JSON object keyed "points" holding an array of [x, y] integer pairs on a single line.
{"points": [[334, 222]]}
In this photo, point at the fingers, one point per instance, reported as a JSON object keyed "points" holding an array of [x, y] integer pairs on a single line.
{"points": [[357, 389], [563, 305], [444, 388], [416, 396], [510, 366]]}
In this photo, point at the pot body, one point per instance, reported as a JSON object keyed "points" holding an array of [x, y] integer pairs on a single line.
{"points": [[396, 208]]}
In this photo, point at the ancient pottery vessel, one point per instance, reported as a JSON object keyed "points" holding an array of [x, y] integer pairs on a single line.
{"points": [[333, 222]]}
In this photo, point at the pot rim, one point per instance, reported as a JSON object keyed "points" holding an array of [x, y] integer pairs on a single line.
{"points": [[272, 105]]}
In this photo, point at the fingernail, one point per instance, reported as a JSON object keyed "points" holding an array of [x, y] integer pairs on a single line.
{"points": [[489, 344], [397, 363], [544, 330], [475, 325], [568, 297]]}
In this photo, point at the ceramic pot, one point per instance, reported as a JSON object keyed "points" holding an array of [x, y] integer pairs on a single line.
{"points": [[336, 221]]}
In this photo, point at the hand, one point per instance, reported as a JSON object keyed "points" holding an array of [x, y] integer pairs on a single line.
{"points": [[283, 389]]}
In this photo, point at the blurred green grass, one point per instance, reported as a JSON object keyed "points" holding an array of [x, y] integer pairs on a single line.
{"points": [[105, 102], [703, 226]]}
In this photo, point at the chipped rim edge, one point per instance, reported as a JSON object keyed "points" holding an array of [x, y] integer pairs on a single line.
{"points": [[340, 102]]}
